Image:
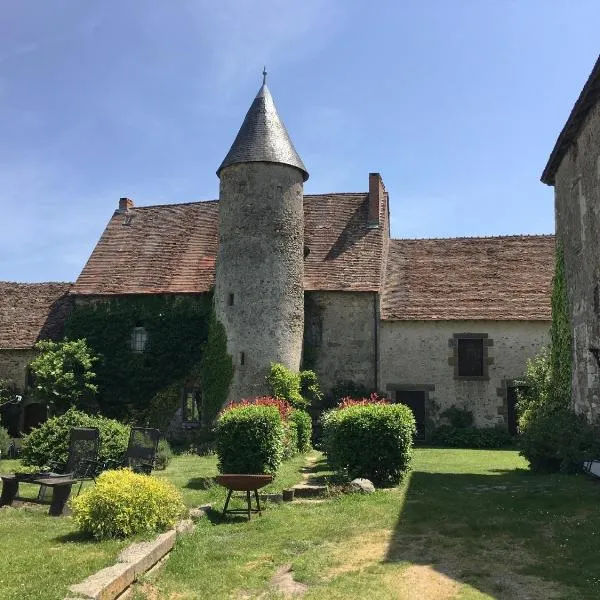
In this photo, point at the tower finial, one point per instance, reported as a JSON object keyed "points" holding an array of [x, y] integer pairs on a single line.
{"points": [[264, 74]]}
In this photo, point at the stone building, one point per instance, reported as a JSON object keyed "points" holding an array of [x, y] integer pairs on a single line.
{"points": [[29, 312], [574, 170], [317, 280]]}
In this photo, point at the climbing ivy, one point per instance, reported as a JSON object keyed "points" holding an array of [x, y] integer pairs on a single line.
{"points": [[177, 329], [561, 335], [216, 370]]}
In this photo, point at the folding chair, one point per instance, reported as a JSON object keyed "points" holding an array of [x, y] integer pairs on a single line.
{"points": [[141, 451]]}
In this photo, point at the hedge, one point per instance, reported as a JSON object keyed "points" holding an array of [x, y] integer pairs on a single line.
{"points": [[250, 439], [370, 440]]}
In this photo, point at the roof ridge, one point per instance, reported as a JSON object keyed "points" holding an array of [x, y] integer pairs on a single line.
{"points": [[477, 237], [3, 282], [174, 204]]}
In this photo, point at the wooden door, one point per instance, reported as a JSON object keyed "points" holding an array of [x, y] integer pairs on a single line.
{"points": [[415, 400]]}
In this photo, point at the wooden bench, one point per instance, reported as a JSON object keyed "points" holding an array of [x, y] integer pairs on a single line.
{"points": [[61, 490]]}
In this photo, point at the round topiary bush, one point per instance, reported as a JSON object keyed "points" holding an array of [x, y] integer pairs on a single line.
{"points": [[49, 443], [123, 503], [371, 440], [250, 438]]}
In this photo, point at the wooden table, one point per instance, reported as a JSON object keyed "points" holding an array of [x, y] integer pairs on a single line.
{"points": [[61, 490]]}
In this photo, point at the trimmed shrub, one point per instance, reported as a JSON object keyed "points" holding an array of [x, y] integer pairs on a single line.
{"points": [[49, 443], [471, 437], [303, 424], [123, 503], [250, 439], [4, 442], [290, 442], [371, 440], [285, 384]]}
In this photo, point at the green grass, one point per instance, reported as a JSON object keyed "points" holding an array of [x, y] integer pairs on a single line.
{"points": [[466, 525], [41, 556]]}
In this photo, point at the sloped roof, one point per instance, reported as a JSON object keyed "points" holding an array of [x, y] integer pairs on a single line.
{"points": [[587, 98], [32, 311], [172, 248], [496, 278]]}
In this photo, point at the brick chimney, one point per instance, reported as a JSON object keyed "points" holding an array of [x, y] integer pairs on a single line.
{"points": [[125, 204], [376, 199]]}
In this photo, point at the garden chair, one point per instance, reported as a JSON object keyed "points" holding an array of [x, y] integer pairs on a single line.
{"points": [[82, 461], [141, 451]]}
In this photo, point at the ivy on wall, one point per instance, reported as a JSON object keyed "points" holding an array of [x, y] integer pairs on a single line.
{"points": [[177, 328], [216, 370], [561, 335]]}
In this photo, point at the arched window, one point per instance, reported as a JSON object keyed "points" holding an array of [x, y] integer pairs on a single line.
{"points": [[139, 339]]}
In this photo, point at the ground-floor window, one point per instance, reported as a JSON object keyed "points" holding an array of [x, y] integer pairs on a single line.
{"points": [[191, 410]]}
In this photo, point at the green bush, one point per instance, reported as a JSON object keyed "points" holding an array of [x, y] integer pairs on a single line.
{"points": [[471, 437], [370, 440], [4, 442], [164, 454], [290, 440], [558, 439], [123, 503], [459, 418], [303, 424], [49, 443], [250, 439], [285, 384]]}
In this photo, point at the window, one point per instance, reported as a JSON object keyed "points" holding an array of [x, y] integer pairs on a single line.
{"points": [[192, 400], [139, 339], [230, 300], [470, 357]]}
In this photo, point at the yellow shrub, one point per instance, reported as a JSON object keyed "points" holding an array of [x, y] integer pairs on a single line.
{"points": [[123, 503]]}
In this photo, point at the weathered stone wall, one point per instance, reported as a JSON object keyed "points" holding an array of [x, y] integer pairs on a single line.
{"points": [[13, 366], [259, 292], [421, 354], [340, 337], [577, 202]]}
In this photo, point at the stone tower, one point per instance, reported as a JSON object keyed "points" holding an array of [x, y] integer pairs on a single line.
{"points": [[259, 291]]}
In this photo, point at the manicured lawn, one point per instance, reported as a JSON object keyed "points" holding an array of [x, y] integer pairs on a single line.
{"points": [[466, 525], [41, 556]]}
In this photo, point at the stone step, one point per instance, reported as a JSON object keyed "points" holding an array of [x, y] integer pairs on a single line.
{"points": [[306, 490]]}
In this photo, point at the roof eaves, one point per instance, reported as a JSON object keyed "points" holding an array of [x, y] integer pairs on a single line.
{"points": [[587, 98]]}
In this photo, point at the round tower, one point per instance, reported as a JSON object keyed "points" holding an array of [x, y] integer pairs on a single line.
{"points": [[259, 291]]}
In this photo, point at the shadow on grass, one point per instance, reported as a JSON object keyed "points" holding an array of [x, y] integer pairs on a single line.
{"points": [[75, 537], [215, 516], [320, 473], [510, 535]]}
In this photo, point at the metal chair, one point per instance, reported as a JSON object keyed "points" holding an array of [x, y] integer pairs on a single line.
{"points": [[141, 451], [82, 461]]}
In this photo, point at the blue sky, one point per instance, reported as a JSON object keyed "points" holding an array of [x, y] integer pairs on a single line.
{"points": [[457, 103]]}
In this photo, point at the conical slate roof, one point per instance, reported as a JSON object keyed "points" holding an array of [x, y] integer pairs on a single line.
{"points": [[263, 137]]}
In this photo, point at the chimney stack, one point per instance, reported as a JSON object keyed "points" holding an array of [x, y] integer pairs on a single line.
{"points": [[376, 199], [125, 204]]}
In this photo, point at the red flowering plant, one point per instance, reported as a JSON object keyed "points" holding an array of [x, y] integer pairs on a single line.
{"points": [[282, 406], [374, 398]]}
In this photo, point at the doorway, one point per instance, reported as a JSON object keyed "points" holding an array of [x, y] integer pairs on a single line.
{"points": [[512, 410], [415, 400]]}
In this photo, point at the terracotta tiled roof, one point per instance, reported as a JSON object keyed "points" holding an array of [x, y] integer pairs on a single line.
{"points": [[32, 311], [345, 254], [497, 278], [587, 98], [172, 248], [152, 250]]}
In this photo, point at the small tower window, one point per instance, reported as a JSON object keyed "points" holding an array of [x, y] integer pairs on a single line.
{"points": [[242, 358], [230, 300], [139, 339]]}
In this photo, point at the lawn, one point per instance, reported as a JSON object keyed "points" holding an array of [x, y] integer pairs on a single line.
{"points": [[41, 556], [465, 525]]}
